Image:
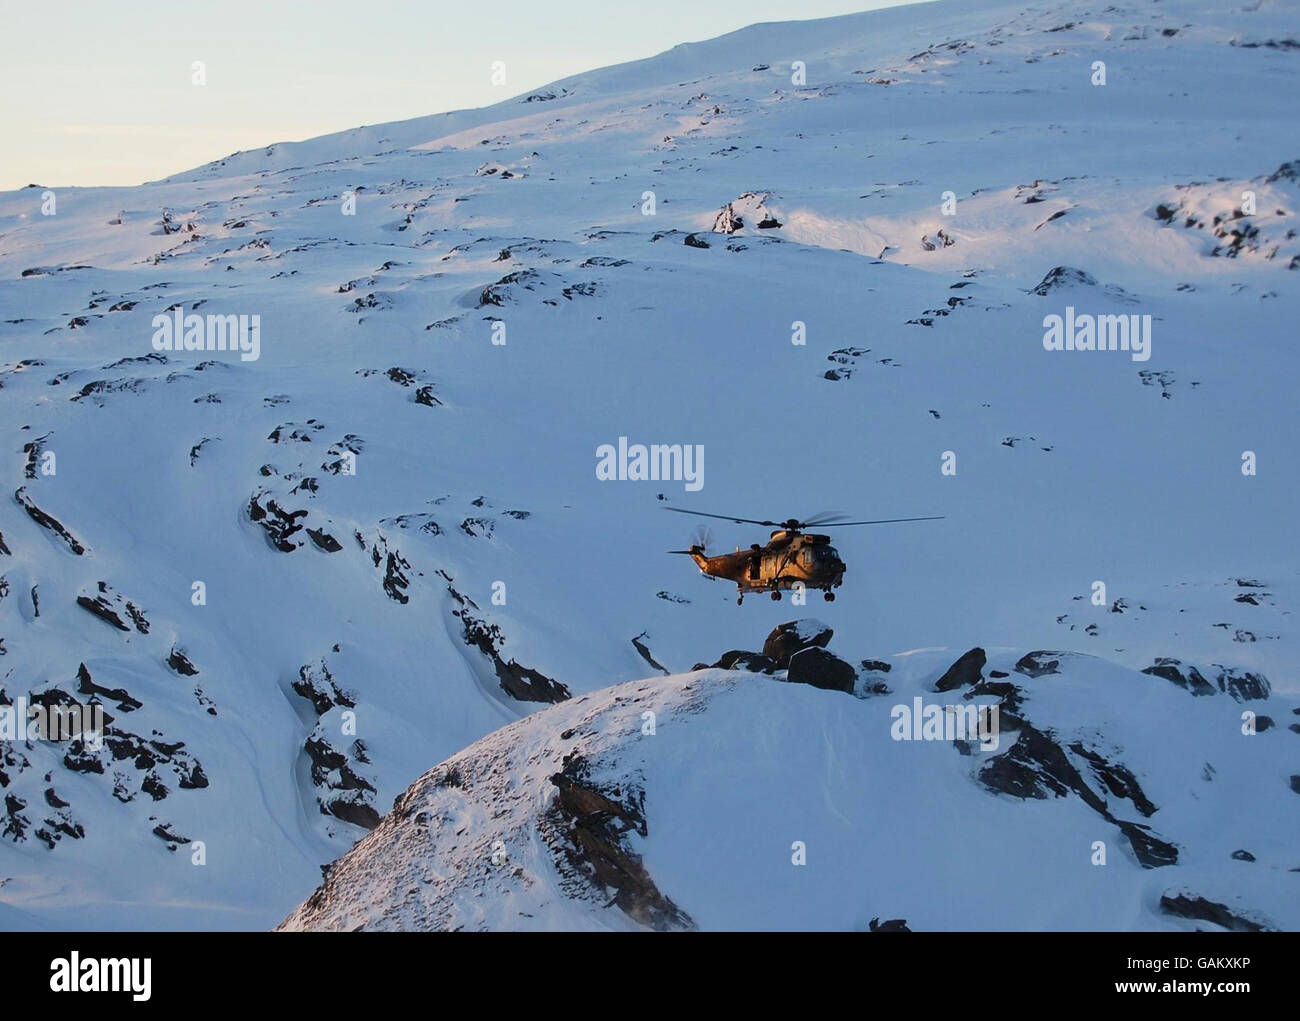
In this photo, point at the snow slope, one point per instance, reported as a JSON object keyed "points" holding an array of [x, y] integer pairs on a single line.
{"points": [[738, 767], [328, 681]]}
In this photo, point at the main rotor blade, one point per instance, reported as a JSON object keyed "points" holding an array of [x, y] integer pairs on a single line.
{"points": [[882, 521], [724, 517], [823, 518]]}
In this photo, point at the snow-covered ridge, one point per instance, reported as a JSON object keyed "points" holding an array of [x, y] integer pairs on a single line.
{"points": [[1102, 799]]}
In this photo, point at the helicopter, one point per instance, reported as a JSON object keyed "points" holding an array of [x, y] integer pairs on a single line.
{"points": [[792, 556]]}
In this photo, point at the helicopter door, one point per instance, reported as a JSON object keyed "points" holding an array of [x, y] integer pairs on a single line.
{"points": [[755, 563]]}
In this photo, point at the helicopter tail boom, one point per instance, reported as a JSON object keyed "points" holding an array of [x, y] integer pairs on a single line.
{"points": [[696, 553]]}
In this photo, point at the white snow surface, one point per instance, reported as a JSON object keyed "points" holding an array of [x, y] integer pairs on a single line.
{"points": [[1072, 468], [741, 766]]}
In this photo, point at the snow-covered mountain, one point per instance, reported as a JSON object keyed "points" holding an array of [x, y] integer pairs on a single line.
{"points": [[298, 580], [726, 799]]}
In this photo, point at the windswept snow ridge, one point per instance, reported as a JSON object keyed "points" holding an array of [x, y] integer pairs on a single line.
{"points": [[728, 799]]}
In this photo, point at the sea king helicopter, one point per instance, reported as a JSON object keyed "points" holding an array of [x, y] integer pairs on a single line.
{"points": [[792, 558]]}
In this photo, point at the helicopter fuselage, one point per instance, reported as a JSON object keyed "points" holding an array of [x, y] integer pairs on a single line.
{"points": [[791, 559]]}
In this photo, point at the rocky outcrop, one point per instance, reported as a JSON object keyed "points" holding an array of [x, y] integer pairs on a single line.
{"points": [[114, 609], [966, 671], [1039, 664], [518, 681], [1185, 676], [46, 521], [1240, 685], [588, 826], [793, 636], [1036, 766], [1063, 277], [342, 788], [644, 650], [822, 669], [741, 659], [1187, 905], [279, 524]]}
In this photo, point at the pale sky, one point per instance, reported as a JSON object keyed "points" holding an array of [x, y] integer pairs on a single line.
{"points": [[100, 93]]}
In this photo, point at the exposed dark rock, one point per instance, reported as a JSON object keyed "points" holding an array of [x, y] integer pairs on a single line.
{"points": [[1063, 276], [1242, 685], [1242, 855], [395, 579], [793, 636], [1116, 778], [644, 650], [323, 540], [46, 521], [590, 826], [966, 671], [1037, 767], [1186, 905], [280, 525], [356, 812], [521, 682], [1185, 676], [1150, 851], [478, 527], [179, 662], [740, 659], [821, 669], [1038, 664], [102, 609], [728, 221], [892, 925], [317, 685], [87, 686], [163, 832], [111, 607]]}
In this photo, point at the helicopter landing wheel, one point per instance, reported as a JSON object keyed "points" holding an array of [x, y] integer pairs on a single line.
{"points": [[740, 599], [830, 596], [776, 596]]}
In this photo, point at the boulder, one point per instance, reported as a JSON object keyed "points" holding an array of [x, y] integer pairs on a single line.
{"points": [[821, 669], [1185, 676], [794, 636], [739, 659], [965, 672], [1039, 664]]}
